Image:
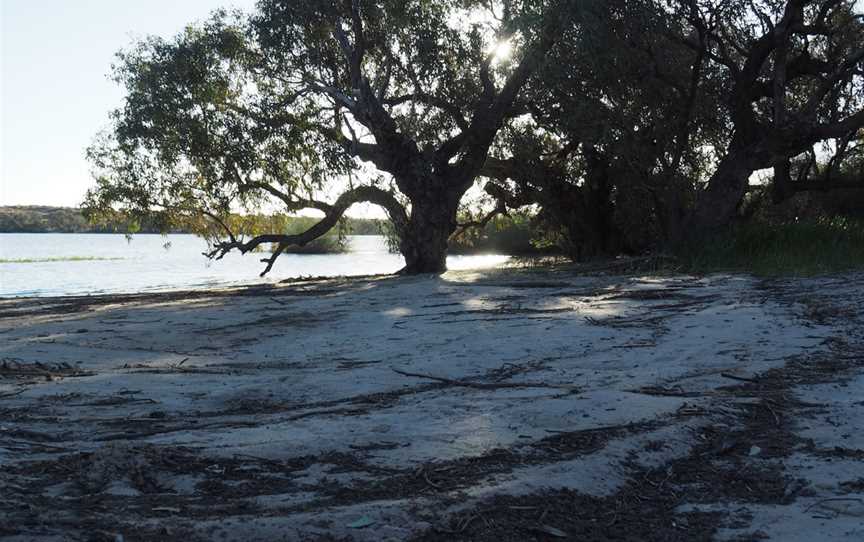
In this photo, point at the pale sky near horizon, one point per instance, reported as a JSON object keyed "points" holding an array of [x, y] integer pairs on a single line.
{"points": [[55, 95]]}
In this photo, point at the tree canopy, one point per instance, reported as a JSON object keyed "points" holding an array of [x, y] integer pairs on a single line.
{"points": [[397, 102], [630, 123], [667, 108]]}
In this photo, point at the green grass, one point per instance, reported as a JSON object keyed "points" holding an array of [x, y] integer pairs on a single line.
{"points": [[58, 259], [803, 248]]}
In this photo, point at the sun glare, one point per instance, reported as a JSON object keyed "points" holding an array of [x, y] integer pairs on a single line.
{"points": [[501, 51]]}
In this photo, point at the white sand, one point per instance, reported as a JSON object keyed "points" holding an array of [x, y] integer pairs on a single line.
{"points": [[283, 375]]}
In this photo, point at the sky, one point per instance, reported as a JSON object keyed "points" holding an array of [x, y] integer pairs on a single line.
{"points": [[55, 95]]}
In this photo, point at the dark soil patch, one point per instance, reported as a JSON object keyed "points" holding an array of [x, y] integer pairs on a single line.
{"points": [[560, 515], [445, 477]]}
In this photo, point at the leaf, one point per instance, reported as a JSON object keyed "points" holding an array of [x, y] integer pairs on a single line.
{"points": [[362, 523]]}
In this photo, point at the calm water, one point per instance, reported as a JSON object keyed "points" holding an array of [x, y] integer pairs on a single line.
{"points": [[145, 264]]}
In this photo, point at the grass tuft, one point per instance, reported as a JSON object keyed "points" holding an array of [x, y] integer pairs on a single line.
{"points": [[803, 248]]}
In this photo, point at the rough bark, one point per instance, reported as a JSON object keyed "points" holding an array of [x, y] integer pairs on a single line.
{"points": [[597, 206], [424, 243], [583, 212], [434, 182], [725, 189], [781, 187]]}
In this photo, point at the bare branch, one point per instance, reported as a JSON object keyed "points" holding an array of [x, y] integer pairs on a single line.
{"points": [[433, 101], [364, 193], [500, 209]]}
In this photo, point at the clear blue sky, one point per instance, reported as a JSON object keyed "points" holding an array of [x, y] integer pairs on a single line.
{"points": [[55, 56]]}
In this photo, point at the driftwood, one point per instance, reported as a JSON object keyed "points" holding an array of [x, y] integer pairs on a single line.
{"points": [[486, 385], [13, 368]]}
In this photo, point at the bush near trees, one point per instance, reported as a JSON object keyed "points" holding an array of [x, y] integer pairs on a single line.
{"points": [[626, 125]]}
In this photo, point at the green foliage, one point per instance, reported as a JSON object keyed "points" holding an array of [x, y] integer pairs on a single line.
{"points": [[33, 219], [192, 137], [613, 127], [513, 234], [239, 110], [810, 247]]}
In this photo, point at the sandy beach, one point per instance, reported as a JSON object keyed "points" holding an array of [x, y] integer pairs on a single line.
{"points": [[494, 405]]}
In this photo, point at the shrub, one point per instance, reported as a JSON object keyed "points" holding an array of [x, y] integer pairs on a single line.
{"points": [[806, 247]]}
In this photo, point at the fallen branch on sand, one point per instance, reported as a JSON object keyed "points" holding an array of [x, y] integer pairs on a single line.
{"points": [[618, 321], [13, 394], [10, 368], [739, 378], [486, 385]]}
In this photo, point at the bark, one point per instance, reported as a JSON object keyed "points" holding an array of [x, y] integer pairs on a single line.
{"points": [[597, 207], [716, 205], [671, 207], [837, 182], [434, 181], [584, 213], [781, 187], [423, 243], [757, 144]]}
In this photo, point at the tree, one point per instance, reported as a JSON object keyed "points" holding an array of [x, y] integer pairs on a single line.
{"points": [[397, 101], [795, 78], [611, 152], [669, 108]]}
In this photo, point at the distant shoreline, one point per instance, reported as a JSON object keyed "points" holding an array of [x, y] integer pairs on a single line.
{"points": [[137, 233], [48, 219]]}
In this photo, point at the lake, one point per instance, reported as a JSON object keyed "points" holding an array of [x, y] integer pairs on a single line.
{"points": [[75, 264]]}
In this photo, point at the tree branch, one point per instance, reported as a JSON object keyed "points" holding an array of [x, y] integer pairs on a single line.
{"points": [[369, 194], [433, 101]]}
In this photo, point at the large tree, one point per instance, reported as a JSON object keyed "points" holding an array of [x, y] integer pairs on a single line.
{"points": [[795, 78], [611, 152], [320, 105], [668, 108]]}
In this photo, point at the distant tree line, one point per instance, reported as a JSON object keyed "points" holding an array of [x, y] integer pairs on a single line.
{"points": [[618, 126], [45, 219]]}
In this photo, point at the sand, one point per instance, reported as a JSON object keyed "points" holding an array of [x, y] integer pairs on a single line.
{"points": [[495, 405]]}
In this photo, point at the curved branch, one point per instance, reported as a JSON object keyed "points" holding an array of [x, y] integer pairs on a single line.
{"points": [[500, 209], [839, 128], [292, 203], [849, 181], [369, 194]]}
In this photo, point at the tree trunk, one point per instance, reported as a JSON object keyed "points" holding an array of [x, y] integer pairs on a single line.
{"points": [[423, 244], [716, 205], [781, 187], [597, 206]]}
